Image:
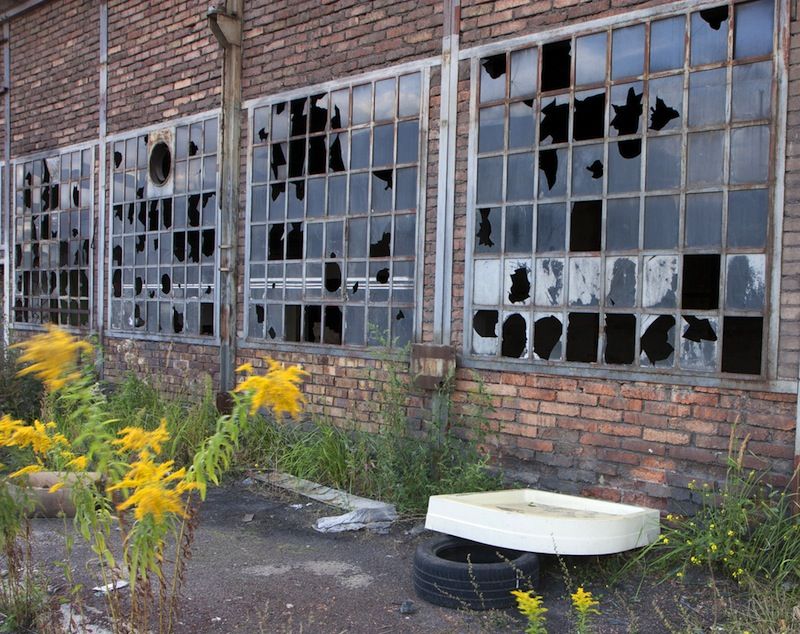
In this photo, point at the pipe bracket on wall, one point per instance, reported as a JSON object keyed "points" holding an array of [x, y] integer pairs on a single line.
{"points": [[227, 28]]}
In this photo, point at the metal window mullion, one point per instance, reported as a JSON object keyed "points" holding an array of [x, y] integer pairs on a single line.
{"points": [[420, 216], [248, 215], [472, 171]]}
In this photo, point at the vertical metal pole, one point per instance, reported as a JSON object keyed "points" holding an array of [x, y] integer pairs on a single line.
{"points": [[7, 184], [100, 235], [227, 28]]}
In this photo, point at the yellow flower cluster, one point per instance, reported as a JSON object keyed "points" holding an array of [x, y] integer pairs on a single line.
{"points": [[529, 604], [278, 389], [584, 603], [52, 356], [38, 436], [138, 440]]}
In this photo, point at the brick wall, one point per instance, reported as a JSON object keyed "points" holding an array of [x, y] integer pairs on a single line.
{"points": [[55, 51]]}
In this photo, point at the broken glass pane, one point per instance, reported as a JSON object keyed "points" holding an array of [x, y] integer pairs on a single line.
{"points": [[707, 97], [380, 237], [554, 120], [294, 281], [382, 190], [552, 173], [587, 170], [667, 43], [277, 202], [747, 218], [622, 224], [333, 240], [754, 29], [627, 52], [742, 339], [620, 330], [490, 179], [750, 155], [586, 225], [359, 149], [523, 72], [709, 38], [258, 242], [549, 282], [280, 121], [296, 200], [752, 91], [519, 229], [661, 222], [547, 333], [340, 109], [660, 287], [354, 325], [700, 282], [385, 99], [409, 95], [514, 336], [339, 152], [663, 163], [382, 145], [590, 116], [556, 64], [666, 103], [626, 112], [484, 332], [521, 128], [657, 341], [402, 326], [699, 345], [624, 174], [705, 152], [493, 78], [405, 236], [590, 59], [406, 189], [583, 330], [487, 230], [746, 282], [312, 323], [407, 142], [378, 326], [356, 280], [332, 278], [317, 155], [621, 282], [703, 220], [551, 227], [359, 193], [517, 282], [297, 159], [486, 282], [403, 282], [520, 177], [584, 281], [292, 323]]}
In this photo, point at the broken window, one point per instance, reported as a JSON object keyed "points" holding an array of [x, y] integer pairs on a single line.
{"points": [[622, 194], [51, 234], [164, 248], [332, 257]]}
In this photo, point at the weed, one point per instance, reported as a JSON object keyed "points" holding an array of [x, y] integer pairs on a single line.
{"points": [[532, 608]]}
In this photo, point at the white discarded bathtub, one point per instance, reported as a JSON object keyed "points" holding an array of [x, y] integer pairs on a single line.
{"points": [[543, 522]]}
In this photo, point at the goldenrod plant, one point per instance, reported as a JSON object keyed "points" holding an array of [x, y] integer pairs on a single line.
{"points": [[531, 606], [585, 607], [147, 498]]}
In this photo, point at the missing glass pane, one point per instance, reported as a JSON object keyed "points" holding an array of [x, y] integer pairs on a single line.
{"points": [[517, 286], [699, 347], [658, 341], [620, 339], [586, 225], [741, 344], [493, 77], [556, 64], [590, 114], [700, 282], [515, 336], [582, 337]]}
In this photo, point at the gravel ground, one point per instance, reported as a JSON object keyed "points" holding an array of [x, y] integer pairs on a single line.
{"points": [[276, 574]]}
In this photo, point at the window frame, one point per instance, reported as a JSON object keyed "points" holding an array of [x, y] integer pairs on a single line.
{"points": [[774, 185], [423, 67], [91, 147]]}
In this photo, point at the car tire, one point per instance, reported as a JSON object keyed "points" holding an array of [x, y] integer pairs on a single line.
{"points": [[458, 573]]}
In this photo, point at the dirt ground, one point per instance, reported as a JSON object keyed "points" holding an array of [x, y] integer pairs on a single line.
{"points": [[276, 574]]}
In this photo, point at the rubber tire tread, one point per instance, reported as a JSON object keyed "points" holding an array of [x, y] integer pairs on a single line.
{"points": [[453, 584]]}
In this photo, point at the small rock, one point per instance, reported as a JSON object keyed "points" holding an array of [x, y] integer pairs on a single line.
{"points": [[216, 619], [416, 530], [408, 607], [289, 606], [248, 482], [247, 517]]}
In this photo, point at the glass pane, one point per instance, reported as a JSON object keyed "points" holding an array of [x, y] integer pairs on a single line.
{"points": [[664, 163], [520, 177], [750, 155], [621, 282], [521, 125], [490, 179], [551, 228], [486, 282], [382, 145], [666, 103], [657, 341], [627, 52], [552, 173], [703, 220], [699, 343], [754, 29], [667, 39], [408, 142], [624, 174], [487, 230], [409, 95], [524, 71], [709, 39], [661, 222], [493, 78], [660, 285], [584, 281], [747, 218], [707, 97], [359, 149], [746, 282], [622, 224], [626, 109], [549, 286], [385, 99], [519, 229], [752, 91], [517, 282], [554, 123], [490, 129], [587, 169], [362, 103], [705, 158], [590, 59]]}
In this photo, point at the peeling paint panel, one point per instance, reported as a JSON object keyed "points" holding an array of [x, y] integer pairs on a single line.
{"points": [[484, 332], [746, 282], [584, 281], [549, 284], [486, 282], [660, 286], [621, 282], [699, 343], [517, 282]]}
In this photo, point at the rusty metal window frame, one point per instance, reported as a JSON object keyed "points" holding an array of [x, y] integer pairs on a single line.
{"points": [[187, 305], [773, 185], [295, 287], [64, 264]]}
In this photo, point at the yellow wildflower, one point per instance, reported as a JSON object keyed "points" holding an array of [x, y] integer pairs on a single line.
{"points": [[584, 603], [79, 463], [529, 604], [679, 574], [52, 356], [31, 468], [55, 487], [664, 539], [137, 439], [695, 560], [277, 389], [245, 367], [731, 533], [34, 436], [713, 548]]}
